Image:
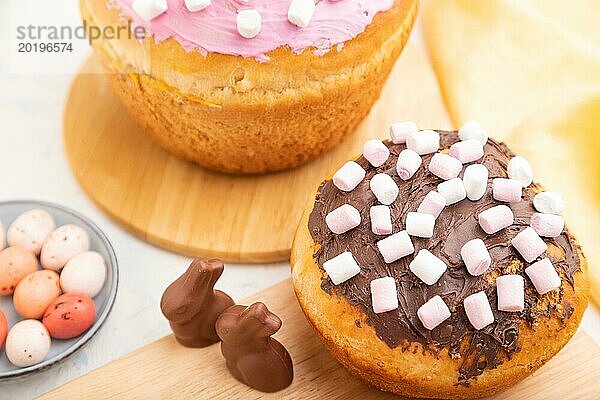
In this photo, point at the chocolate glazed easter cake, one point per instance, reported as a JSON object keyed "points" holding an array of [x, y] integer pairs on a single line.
{"points": [[433, 267]]}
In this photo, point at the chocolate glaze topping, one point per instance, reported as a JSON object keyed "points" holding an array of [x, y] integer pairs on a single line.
{"points": [[456, 225]]}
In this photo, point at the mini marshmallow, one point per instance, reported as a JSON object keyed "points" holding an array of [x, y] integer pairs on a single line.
{"points": [[549, 203], [384, 296], [381, 220], [511, 293], [301, 12], [445, 167], [401, 130], [384, 188], [433, 313], [149, 9], [453, 190], [519, 169], [475, 181], [249, 23], [543, 276], [342, 219], [472, 130], [495, 219], [395, 247], [420, 224], [433, 204], [341, 268], [376, 152], [476, 257], [508, 190], [467, 151], [423, 142], [427, 267], [547, 225], [349, 176], [478, 310], [196, 5], [529, 244], [408, 163]]}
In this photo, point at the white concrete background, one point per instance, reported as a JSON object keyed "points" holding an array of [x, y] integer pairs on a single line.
{"points": [[33, 165]]}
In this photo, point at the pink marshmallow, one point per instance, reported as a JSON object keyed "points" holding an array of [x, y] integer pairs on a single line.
{"points": [[342, 219], [547, 225], [543, 276], [381, 220], [433, 313], [495, 219], [467, 151], [408, 163], [433, 204], [349, 176], [376, 152], [384, 296], [395, 247], [476, 257], [478, 310], [529, 244], [401, 130], [508, 190], [445, 167], [511, 293]]}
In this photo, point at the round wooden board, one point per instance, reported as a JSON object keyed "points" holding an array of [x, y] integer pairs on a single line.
{"points": [[181, 207]]}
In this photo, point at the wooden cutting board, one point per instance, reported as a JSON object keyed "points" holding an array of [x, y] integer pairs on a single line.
{"points": [[166, 370]]}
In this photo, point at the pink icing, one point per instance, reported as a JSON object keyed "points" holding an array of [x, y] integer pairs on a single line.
{"points": [[213, 30]]}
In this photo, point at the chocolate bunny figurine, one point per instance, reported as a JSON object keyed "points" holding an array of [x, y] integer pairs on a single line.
{"points": [[253, 357], [192, 305]]}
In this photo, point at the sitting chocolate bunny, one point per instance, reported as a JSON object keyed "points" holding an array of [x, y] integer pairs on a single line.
{"points": [[192, 305], [253, 357]]}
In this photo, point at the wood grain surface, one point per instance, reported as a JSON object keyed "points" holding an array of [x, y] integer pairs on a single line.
{"points": [[166, 370]]}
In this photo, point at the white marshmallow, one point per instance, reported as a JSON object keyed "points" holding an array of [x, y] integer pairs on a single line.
{"points": [[197, 5], [508, 190], [408, 163], [475, 181], [476, 257], [401, 130], [384, 188], [433, 313], [349, 176], [453, 190], [472, 130], [478, 310], [467, 151], [249, 23], [301, 12], [549, 203], [547, 225], [520, 169], [376, 152], [495, 219], [427, 267], [420, 224], [149, 9], [433, 204], [341, 268], [381, 220], [342, 219], [384, 296], [529, 244], [445, 167], [511, 293], [543, 276], [395, 247], [423, 142]]}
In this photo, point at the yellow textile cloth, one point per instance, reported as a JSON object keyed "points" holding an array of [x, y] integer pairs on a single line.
{"points": [[529, 72]]}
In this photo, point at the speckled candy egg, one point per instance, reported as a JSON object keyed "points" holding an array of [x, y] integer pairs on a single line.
{"points": [[30, 230], [63, 244], [3, 328], [28, 343], [69, 315], [35, 292], [15, 264], [84, 273], [2, 236]]}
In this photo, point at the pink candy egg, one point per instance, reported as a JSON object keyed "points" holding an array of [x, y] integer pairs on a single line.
{"points": [[35, 292], [3, 328], [30, 230], [28, 343], [2, 236], [62, 245], [15, 263], [69, 315]]}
